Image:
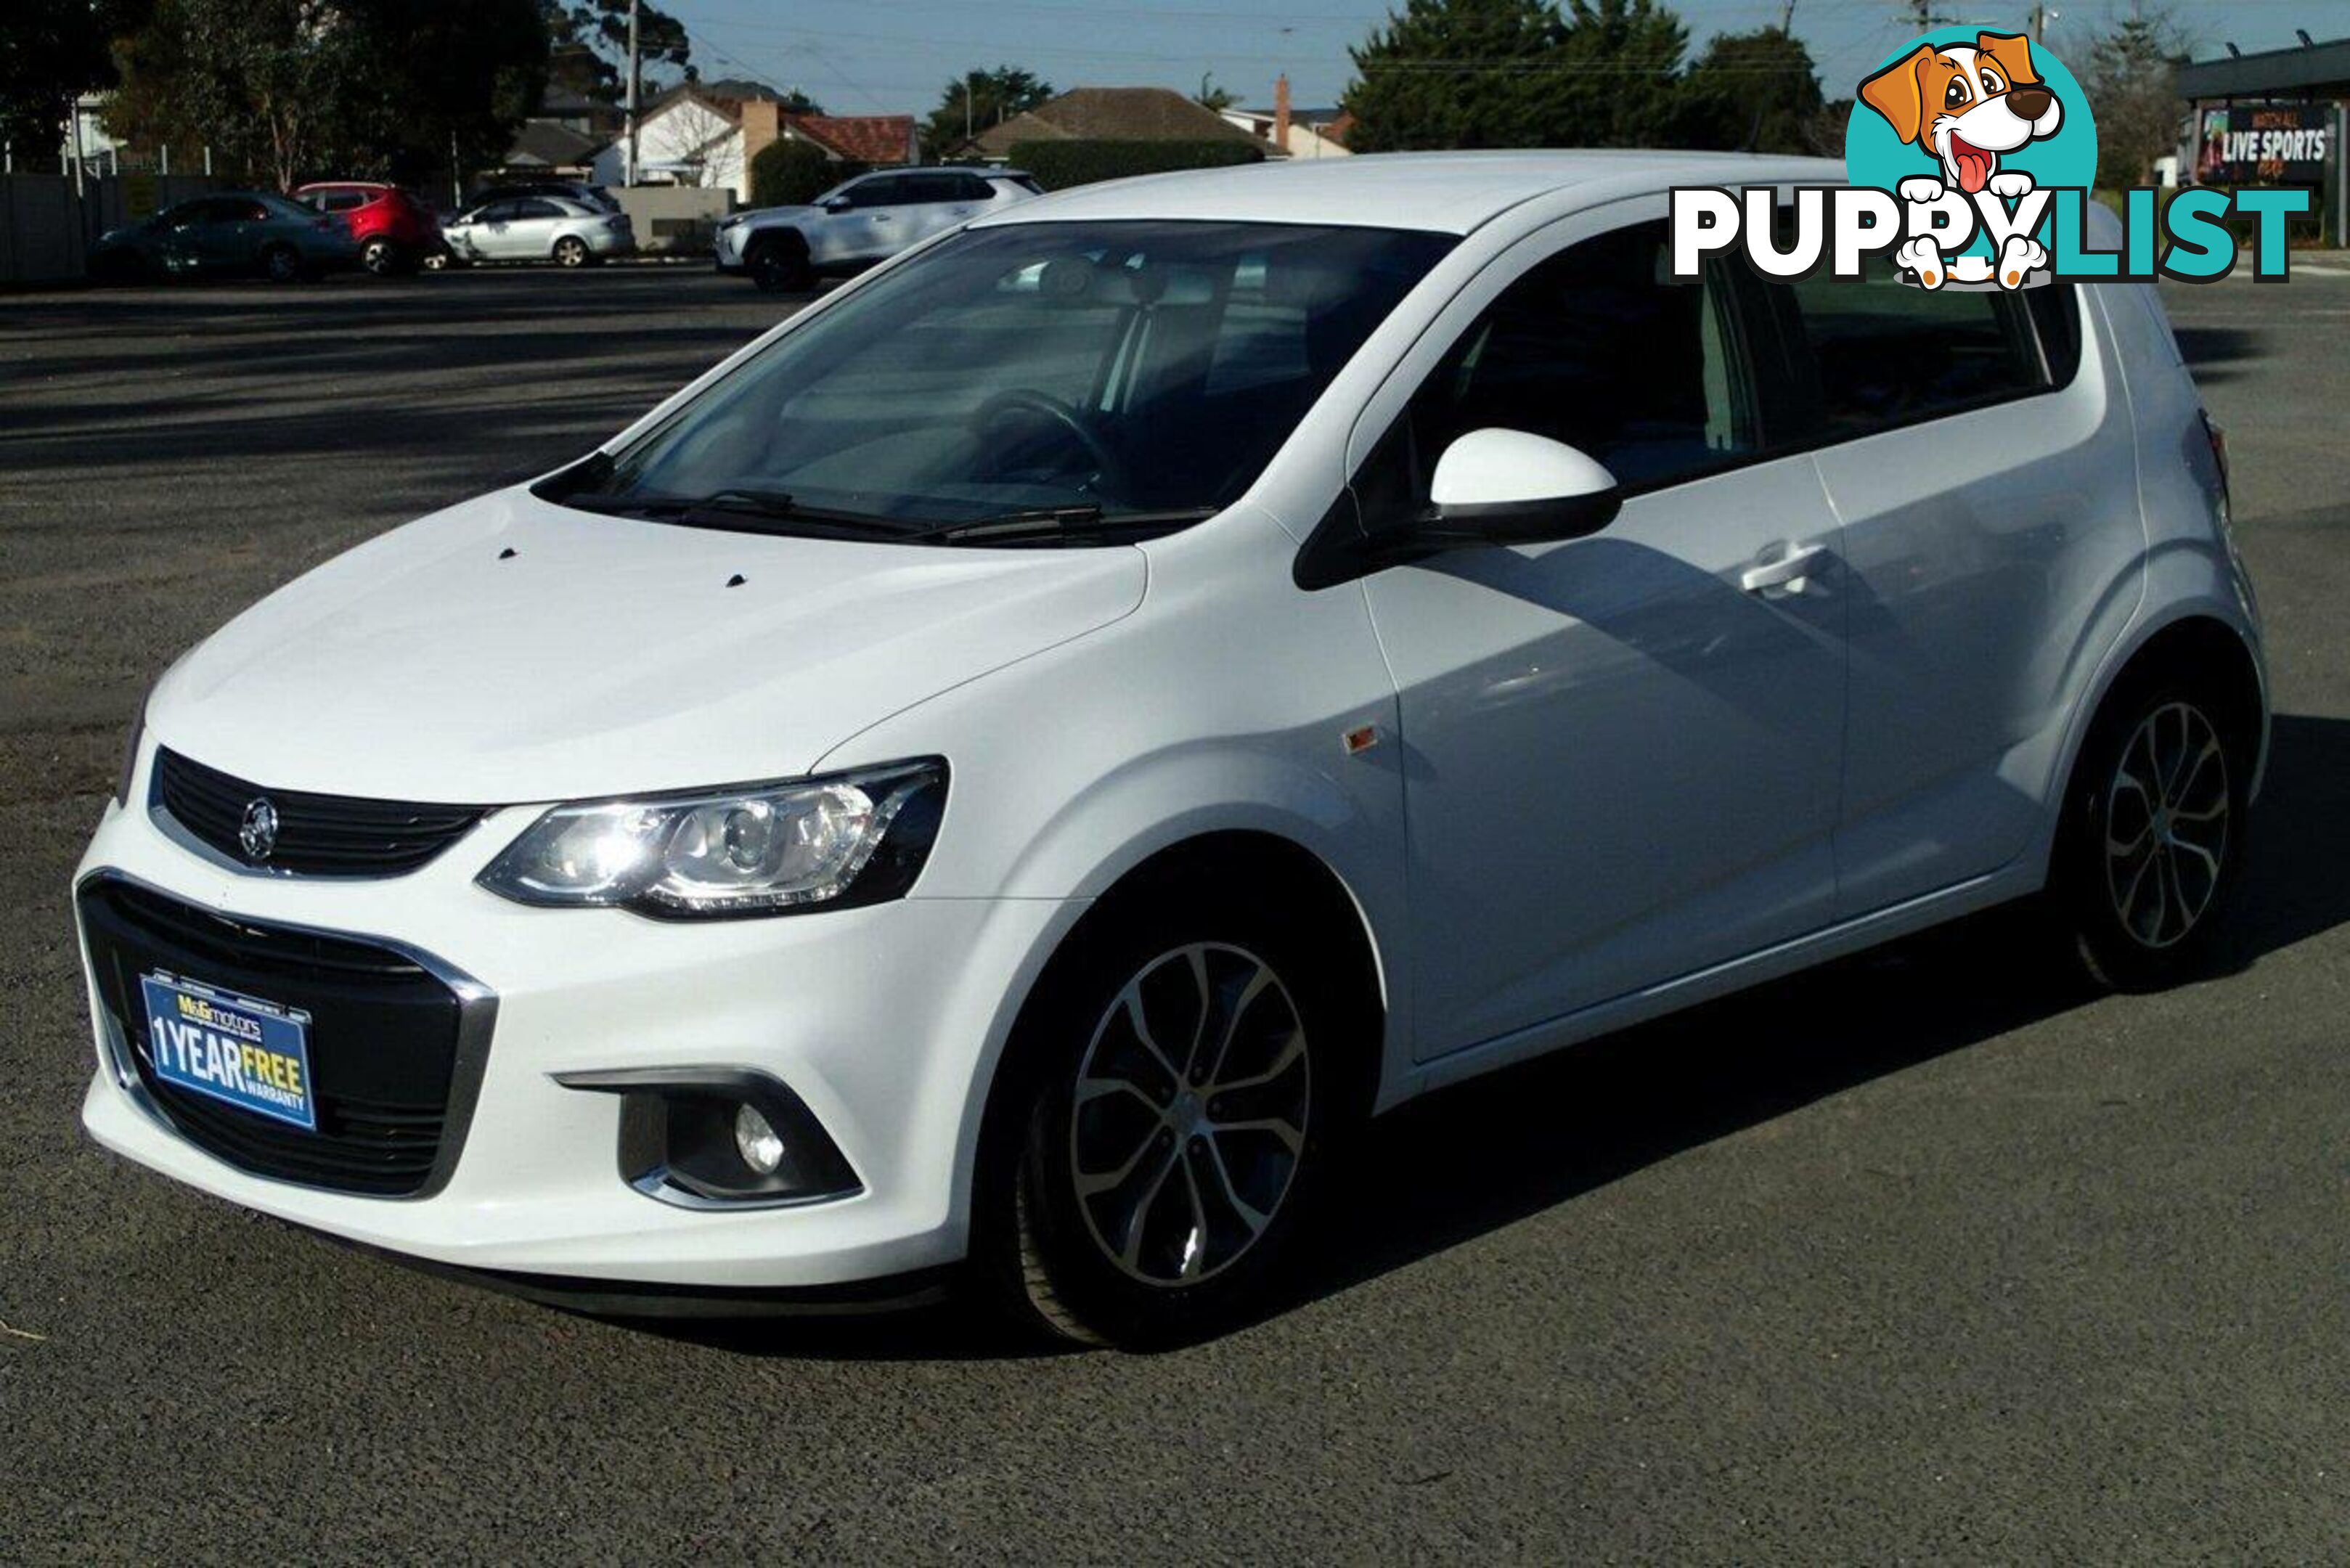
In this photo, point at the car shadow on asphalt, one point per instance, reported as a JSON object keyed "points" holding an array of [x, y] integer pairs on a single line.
{"points": [[2217, 354], [1460, 1164]]}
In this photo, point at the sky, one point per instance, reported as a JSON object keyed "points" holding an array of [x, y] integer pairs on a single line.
{"points": [[867, 56]]}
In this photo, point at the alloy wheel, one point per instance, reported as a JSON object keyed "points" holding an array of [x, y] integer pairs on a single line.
{"points": [[380, 258], [283, 266], [570, 251], [1190, 1113], [2166, 824]]}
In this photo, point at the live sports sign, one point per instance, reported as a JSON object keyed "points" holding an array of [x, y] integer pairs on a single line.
{"points": [[2283, 144]]}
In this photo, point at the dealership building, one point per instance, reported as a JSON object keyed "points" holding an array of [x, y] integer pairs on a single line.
{"points": [[2278, 117]]}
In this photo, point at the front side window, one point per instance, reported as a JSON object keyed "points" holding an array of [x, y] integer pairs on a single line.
{"points": [[1600, 347], [1105, 370], [888, 192]]}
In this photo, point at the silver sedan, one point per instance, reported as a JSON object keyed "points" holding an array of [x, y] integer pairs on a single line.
{"points": [[538, 228]]}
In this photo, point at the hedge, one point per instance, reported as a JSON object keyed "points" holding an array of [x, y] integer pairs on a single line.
{"points": [[1060, 164], [788, 172]]}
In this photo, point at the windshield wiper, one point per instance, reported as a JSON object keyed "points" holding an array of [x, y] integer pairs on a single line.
{"points": [[747, 511], [1063, 525]]}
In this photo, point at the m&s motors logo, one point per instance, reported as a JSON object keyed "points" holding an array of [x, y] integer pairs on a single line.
{"points": [[1971, 155]]}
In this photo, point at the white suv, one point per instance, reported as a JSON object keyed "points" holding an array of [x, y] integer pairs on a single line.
{"points": [[1015, 764], [860, 221]]}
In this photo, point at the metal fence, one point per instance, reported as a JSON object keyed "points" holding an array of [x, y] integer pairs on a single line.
{"points": [[48, 223]]}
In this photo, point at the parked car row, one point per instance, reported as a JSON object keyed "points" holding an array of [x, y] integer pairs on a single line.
{"points": [[379, 227], [388, 231]]}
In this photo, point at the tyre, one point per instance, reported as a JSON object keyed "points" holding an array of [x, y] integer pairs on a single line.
{"points": [[382, 258], [571, 251], [2154, 830], [440, 258], [1171, 1101], [779, 266], [281, 264]]}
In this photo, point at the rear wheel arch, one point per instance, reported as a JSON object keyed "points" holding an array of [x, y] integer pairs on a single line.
{"points": [[2199, 645]]}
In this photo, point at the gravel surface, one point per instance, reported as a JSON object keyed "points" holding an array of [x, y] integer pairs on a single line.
{"points": [[1901, 1259]]}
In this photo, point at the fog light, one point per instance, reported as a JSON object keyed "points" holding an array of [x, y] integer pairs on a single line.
{"points": [[756, 1141]]}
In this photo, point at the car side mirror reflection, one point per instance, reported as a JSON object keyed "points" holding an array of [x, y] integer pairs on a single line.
{"points": [[839, 204]]}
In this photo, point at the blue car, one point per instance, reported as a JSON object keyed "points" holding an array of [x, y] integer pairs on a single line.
{"points": [[241, 234]]}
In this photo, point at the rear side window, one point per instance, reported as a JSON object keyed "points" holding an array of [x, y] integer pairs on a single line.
{"points": [[1883, 353]]}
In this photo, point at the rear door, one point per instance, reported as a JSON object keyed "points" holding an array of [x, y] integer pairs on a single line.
{"points": [[1985, 477]]}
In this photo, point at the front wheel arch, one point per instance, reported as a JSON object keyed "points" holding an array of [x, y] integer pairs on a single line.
{"points": [[1251, 866]]}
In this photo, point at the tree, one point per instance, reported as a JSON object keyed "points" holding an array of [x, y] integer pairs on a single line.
{"points": [[591, 37], [52, 52], [978, 99], [1211, 96], [1623, 58], [284, 89], [1516, 73], [1459, 73], [1752, 92], [790, 172], [2132, 80]]}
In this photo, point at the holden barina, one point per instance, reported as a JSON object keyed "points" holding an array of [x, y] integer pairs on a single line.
{"points": [[993, 783]]}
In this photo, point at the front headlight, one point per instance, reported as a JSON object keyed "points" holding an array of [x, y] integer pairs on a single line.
{"points": [[842, 839]]}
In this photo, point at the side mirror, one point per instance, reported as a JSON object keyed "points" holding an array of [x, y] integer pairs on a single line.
{"points": [[1511, 487], [839, 204]]}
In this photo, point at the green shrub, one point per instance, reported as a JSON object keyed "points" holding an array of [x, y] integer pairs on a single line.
{"points": [[786, 173], [1059, 165]]}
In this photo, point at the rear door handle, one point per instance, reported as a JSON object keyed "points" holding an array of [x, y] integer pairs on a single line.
{"points": [[1788, 572]]}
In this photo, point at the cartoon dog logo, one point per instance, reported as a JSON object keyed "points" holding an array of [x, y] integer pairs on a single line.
{"points": [[1965, 107]]}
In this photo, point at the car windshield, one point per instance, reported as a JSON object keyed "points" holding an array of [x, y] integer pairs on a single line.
{"points": [[1056, 377]]}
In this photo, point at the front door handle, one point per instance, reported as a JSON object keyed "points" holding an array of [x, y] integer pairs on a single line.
{"points": [[1789, 571]]}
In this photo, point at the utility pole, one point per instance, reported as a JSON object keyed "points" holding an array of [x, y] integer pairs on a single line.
{"points": [[2039, 24], [628, 163], [1788, 19]]}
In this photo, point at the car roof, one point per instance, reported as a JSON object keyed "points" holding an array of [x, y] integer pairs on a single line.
{"points": [[344, 185], [1449, 192]]}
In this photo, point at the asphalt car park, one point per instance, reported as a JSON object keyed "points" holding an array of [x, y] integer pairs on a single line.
{"points": [[1915, 1256]]}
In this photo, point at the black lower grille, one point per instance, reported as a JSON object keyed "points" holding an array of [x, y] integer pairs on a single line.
{"points": [[396, 1051], [317, 835]]}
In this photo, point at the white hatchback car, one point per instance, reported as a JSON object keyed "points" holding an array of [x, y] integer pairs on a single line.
{"points": [[1014, 765]]}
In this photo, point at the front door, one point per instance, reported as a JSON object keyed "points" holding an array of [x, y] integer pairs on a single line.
{"points": [[1621, 754]]}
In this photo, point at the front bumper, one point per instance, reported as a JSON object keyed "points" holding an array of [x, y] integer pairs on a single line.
{"points": [[885, 1021]]}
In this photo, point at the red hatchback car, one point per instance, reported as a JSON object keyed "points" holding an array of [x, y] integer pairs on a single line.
{"points": [[395, 232]]}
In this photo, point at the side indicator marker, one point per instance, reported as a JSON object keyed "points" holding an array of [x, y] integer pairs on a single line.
{"points": [[1361, 739]]}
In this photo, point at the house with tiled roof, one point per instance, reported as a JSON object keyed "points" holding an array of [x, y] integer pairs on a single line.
{"points": [[707, 133]]}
